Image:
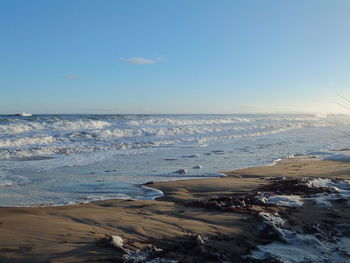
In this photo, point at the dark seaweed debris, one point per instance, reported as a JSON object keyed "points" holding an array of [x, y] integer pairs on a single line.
{"points": [[236, 202], [296, 187], [244, 202]]}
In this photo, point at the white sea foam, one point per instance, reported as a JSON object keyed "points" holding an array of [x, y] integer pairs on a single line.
{"points": [[337, 185], [8, 180], [104, 133], [20, 127], [79, 125], [144, 256], [153, 193], [340, 190], [25, 114], [117, 241], [52, 149], [272, 219], [168, 121], [277, 161], [26, 141], [321, 115], [23, 126], [91, 198], [305, 248], [4, 183], [296, 248], [284, 200], [322, 200]]}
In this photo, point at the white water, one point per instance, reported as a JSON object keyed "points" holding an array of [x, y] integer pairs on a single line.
{"points": [[60, 159], [283, 200], [341, 190], [323, 246]]}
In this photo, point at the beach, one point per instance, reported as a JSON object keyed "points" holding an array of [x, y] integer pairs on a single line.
{"points": [[179, 226], [175, 131]]}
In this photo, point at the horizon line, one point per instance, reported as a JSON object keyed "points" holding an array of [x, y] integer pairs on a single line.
{"points": [[188, 113]]}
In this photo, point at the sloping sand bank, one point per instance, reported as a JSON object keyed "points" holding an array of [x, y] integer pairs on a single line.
{"points": [[73, 233]]}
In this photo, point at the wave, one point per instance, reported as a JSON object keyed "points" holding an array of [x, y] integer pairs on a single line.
{"points": [[26, 141], [59, 125], [168, 121], [14, 128], [25, 114], [73, 134]]}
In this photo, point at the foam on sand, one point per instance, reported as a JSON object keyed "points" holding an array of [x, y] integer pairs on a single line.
{"points": [[340, 191], [329, 243], [285, 200], [272, 219], [295, 248], [117, 241]]}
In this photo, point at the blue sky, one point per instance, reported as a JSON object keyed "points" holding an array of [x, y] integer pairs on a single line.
{"points": [[179, 56]]}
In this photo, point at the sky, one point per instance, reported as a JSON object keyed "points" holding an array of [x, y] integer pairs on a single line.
{"points": [[174, 56]]}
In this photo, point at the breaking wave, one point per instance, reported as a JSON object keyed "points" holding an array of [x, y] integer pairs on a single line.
{"points": [[73, 134]]}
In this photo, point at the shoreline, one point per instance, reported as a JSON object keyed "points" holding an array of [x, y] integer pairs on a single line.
{"points": [[72, 233]]}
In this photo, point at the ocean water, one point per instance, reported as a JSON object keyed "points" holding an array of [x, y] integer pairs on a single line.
{"points": [[65, 159]]}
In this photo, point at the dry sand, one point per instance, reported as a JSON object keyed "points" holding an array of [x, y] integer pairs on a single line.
{"points": [[71, 233]]}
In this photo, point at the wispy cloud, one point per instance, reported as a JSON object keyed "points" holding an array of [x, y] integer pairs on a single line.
{"points": [[138, 60], [72, 77]]}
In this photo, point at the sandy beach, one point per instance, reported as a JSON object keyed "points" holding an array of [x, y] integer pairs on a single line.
{"points": [[183, 224], [174, 131]]}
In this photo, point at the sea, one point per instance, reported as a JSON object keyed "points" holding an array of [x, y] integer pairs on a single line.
{"points": [[49, 160]]}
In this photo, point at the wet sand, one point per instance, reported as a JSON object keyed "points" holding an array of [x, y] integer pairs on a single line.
{"points": [[73, 233]]}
